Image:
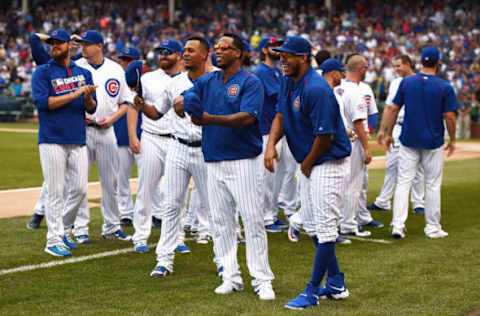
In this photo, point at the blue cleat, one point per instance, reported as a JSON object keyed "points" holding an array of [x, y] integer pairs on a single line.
{"points": [[343, 241], [272, 228], [281, 223], [240, 239], [335, 288], [220, 271], [159, 272], [374, 207], [58, 251], [306, 299], [293, 234], [419, 211], [69, 243], [182, 249], [374, 224], [35, 221], [82, 239], [141, 248], [117, 235]]}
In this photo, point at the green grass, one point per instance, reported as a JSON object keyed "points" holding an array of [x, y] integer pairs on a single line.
{"points": [[19, 151], [413, 276], [22, 125]]}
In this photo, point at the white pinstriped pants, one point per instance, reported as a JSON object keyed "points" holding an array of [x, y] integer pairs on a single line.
{"points": [[59, 163], [284, 174], [182, 163], [388, 188], [197, 214], [124, 195], [153, 149], [432, 163], [102, 148], [238, 184], [322, 196]]}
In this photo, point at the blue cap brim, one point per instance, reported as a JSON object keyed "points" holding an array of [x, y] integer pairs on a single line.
{"points": [[49, 40], [286, 50]]}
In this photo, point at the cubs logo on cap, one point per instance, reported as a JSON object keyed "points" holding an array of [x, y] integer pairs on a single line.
{"points": [[83, 34], [113, 87], [296, 103], [233, 90], [165, 42], [54, 33]]}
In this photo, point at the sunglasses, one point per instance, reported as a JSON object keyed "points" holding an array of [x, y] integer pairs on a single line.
{"points": [[223, 47], [164, 52], [288, 55]]}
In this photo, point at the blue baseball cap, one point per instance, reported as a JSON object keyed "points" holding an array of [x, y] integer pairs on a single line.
{"points": [[331, 65], [430, 53], [172, 45], [60, 35], [91, 36], [133, 73], [268, 41], [296, 45], [129, 52]]}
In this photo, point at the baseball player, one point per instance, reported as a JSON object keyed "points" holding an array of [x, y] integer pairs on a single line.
{"points": [[309, 116], [228, 104], [112, 95], [403, 67], [270, 76], [184, 158], [126, 157], [356, 114], [62, 91], [427, 100]]}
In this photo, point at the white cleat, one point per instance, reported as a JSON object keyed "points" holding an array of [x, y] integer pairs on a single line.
{"points": [[265, 292], [438, 234], [228, 287], [398, 233]]}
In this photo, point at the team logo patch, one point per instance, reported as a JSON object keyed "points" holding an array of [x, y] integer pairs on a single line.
{"points": [[296, 103], [233, 90], [54, 33], [113, 87], [64, 85], [84, 34], [368, 99], [165, 42]]}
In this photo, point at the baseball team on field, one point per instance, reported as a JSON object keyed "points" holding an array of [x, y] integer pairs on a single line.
{"points": [[243, 138]]}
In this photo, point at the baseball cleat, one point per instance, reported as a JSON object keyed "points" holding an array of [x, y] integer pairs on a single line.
{"points": [[126, 222], [220, 271], [438, 234], [182, 249], [69, 242], [141, 248], [306, 299], [293, 234], [281, 223], [343, 241], [272, 228], [363, 233], [240, 239], [156, 223], [419, 211], [374, 207], [203, 239], [265, 292], [374, 224], [335, 288], [82, 239], [398, 233], [35, 221], [159, 272], [228, 287], [117, 235], [58, 251]]}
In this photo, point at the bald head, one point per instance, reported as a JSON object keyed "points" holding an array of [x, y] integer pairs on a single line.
{"points": [[357, 67]]}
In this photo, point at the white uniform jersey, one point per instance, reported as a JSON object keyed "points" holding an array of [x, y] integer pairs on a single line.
{"points": [[342, 107], [353, 103], [369, 97], [154, 84], [392, 91], [181, 127], [112, 88]]}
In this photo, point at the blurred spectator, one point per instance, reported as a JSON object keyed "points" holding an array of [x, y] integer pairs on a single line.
{"points": [[465, 101], [16, 88]]}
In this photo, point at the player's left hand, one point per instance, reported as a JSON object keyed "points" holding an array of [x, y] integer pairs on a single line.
{"points": [[105, 122], [306, 169], [271, 154], [139, 102], [178, 107], [389, 142], [450, 148], [368, 156]]}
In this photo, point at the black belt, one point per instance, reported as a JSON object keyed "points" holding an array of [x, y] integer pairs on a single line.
{"points": [[163, 135], [94, 124], [197, 143]]}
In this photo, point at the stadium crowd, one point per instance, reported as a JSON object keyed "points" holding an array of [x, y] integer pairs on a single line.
{"points": [[379, 31]]}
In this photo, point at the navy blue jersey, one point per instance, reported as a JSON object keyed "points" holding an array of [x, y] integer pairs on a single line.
{"points": [[121, 129], [243, 92], [270, 77], [64, 125], [426, 98], [309, 108]]}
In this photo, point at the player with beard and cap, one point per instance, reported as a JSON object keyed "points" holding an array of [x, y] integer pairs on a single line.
{"points": [[270, 77], [62, 92]]}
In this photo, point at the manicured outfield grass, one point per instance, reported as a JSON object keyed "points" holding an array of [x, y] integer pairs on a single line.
{"points": [[21, 161], [414, 276], [23, 125]]}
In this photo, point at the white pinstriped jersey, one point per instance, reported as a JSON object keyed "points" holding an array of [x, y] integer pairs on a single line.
{"points": [[392, 91], [154, 84], [353, 103], [112, 88]]}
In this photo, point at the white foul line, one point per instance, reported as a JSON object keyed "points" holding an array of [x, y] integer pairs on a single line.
{"points": [[379, 241]]}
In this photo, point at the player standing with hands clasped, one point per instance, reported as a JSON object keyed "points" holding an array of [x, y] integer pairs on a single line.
{"points": [[309, 115], [427, 100], [228, 104], [62, 91]]}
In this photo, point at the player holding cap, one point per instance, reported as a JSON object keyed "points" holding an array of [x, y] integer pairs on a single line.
{"points": [[427, 100], [309, 115], [62, 91]]}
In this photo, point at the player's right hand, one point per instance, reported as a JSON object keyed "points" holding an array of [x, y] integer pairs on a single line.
{"points": [[450, 148], [270, 155], [134, 143], [178, 106], [368, 156]]}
